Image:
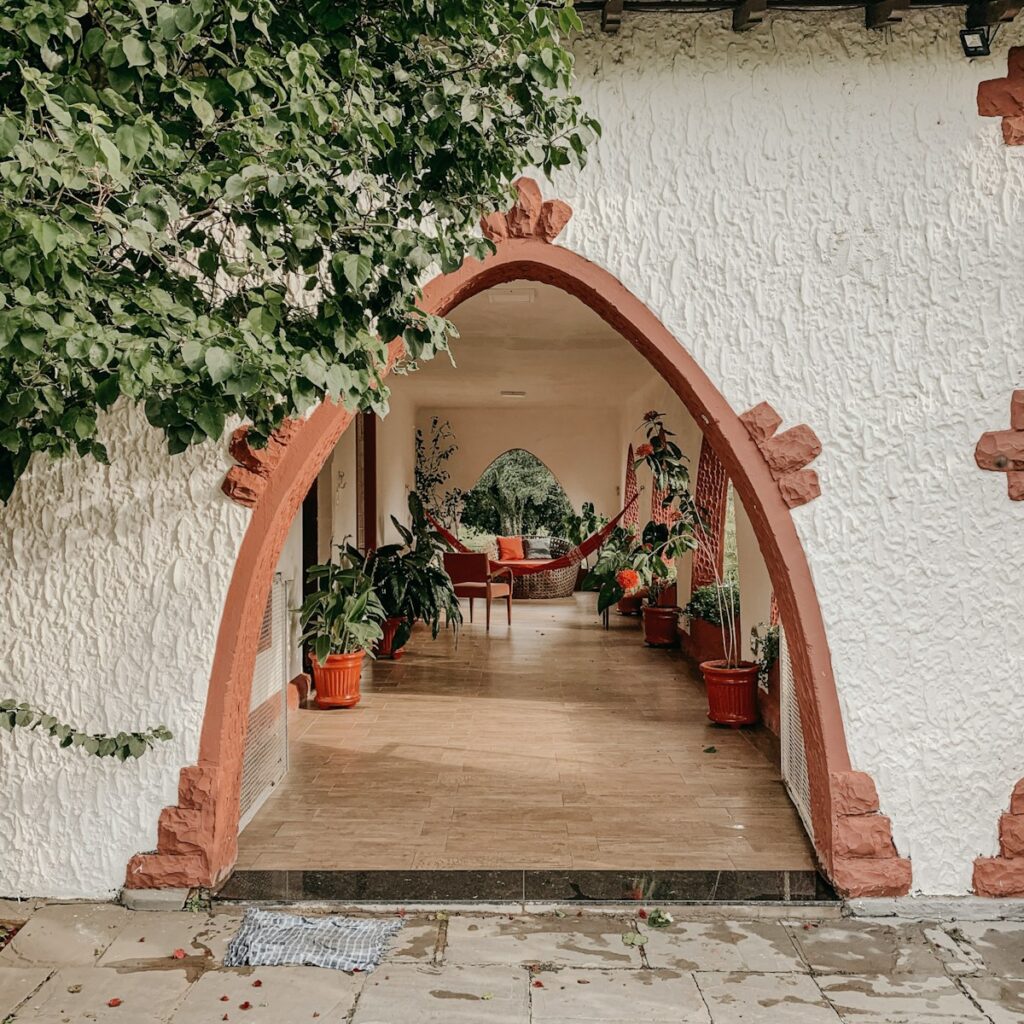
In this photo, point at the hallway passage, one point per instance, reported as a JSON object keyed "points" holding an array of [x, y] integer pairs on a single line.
{"points": [[548, 744]]}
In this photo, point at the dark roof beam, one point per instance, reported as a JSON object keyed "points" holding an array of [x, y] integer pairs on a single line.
{"points": [[748, 14], [992, 12], [611, 16], [887, 12]]}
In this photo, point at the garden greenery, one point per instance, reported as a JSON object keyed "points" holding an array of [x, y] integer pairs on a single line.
{"points": [[223, 208], [122, 746]]}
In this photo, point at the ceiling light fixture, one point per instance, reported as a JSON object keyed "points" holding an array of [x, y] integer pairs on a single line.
{"points": [[512, 394], [976, 42]]}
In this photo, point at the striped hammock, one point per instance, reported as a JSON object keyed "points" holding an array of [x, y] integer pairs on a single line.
{"points": [[571, 557]]}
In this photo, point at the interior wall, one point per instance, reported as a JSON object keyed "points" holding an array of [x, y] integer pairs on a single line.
{"points": [[755, 583], [579, 445], [396, 460]]}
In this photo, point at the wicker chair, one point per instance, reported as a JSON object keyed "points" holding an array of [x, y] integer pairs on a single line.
{"points": [[545, 586]]}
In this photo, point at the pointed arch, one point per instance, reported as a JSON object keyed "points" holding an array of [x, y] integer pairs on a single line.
{"points": [[198, 837]]}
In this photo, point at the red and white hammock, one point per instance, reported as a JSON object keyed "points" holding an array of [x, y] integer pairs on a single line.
{"points": [[572, 557]]}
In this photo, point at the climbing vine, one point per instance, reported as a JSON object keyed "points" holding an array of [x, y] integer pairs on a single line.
{"points": [[222, 208], [122, 746]]}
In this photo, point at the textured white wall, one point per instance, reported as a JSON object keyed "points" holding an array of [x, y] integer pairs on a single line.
{"points": [[113, 583], [821, 217], [819, 214]]}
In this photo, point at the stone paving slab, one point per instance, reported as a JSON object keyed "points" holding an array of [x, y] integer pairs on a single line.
{"points": [[744, 998], [1000, 999], [77, 994], [404, 994], [152, 936], [284, 994], [998, 945], [569, 941], [724, 946], [901, 1000], [416, 942], [866, 947], [17, 984], [65, 934], [592, 996]]}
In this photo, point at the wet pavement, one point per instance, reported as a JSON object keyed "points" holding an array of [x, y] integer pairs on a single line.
{"points": [[102, 963]]}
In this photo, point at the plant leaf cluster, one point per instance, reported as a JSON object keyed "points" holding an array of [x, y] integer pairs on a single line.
{"points": [[224, 208], [123, 745]]}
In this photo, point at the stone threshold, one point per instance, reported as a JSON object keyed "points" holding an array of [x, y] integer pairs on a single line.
{"points": [[706, 888]]}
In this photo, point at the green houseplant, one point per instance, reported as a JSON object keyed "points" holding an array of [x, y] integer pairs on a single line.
{"points": [[615, 574], [576, 528], [411, 583], [341, 620]]}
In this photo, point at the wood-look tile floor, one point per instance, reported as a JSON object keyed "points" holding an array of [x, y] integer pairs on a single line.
{"points": [[550, 744]]}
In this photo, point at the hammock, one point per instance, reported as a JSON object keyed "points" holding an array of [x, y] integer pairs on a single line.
{"points": [[572, 557]]}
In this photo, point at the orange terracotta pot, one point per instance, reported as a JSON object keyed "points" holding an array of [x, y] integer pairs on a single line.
{"points": [[337, 680], [384, 648], [732, 692], [661, 626]]}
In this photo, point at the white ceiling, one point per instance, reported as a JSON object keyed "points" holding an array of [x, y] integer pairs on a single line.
{"points": [[530, 337]]}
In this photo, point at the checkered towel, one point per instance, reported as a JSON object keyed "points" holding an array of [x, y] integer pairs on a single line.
{"points": [[269, 938]]}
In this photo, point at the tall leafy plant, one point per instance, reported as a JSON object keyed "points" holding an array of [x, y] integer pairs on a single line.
{"points": [[225, 209], [433, 450], [343, 615], [410, 579]]}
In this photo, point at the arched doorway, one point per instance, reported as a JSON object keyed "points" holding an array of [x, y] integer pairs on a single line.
{"points": [[198, 837]]}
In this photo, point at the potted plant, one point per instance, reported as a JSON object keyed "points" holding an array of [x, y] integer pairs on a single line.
{"points": [[616, 573], [703, 611], [731, 682], [341, 620], [764, 642], [411, 583]]}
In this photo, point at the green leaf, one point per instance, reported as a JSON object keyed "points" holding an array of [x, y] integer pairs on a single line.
{"points": [[211, 419], [136, 52], [357, 270], [220, 363]]}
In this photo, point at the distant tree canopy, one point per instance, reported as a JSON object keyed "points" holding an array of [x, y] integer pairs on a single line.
{"points": [[516, 495]]}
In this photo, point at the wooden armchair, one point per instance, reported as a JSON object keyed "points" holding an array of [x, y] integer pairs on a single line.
{"points": [[472, 577]]}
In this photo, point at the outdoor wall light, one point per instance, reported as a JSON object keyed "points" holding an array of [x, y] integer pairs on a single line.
{"points": [[975, 42]]}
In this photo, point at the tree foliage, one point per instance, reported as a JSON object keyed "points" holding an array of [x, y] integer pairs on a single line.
{"points": [[515, 495], [223, 207]]}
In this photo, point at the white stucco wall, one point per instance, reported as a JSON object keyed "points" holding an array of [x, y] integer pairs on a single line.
{"points": [[113, 583], [819, 214]]}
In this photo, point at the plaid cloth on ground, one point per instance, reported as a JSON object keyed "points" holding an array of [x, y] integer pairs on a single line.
{"points": [[269, 938]]}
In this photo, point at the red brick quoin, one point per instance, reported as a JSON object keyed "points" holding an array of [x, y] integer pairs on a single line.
{"points": [[1004, 875], [786, 454], [1004, 97], [1002, 451]]}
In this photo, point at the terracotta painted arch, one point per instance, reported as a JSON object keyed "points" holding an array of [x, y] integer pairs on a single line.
{"points": [[198, 838]]}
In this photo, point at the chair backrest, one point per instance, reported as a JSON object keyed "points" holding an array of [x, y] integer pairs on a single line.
{"points": [[467, 568]]}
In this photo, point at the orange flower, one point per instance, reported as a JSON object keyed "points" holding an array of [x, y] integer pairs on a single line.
{"points": [[644, 450], [628, 579]]}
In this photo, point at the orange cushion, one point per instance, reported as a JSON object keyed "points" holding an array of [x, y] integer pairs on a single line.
{"points": [[510, 549]]}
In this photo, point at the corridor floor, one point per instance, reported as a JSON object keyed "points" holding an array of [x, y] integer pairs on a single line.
{"points": [[548, 744]]}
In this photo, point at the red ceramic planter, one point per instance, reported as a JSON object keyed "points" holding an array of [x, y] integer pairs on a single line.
{"points": [[337, 680], [384, 648], [732, 692], [661, 626], [631, 604]]}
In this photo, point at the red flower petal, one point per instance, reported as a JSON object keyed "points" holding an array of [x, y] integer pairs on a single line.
{"points": [[538, 983], [257, 983], [113, 1002], [642, 914], [178, 954], [245, 1006], [223, 999]]}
